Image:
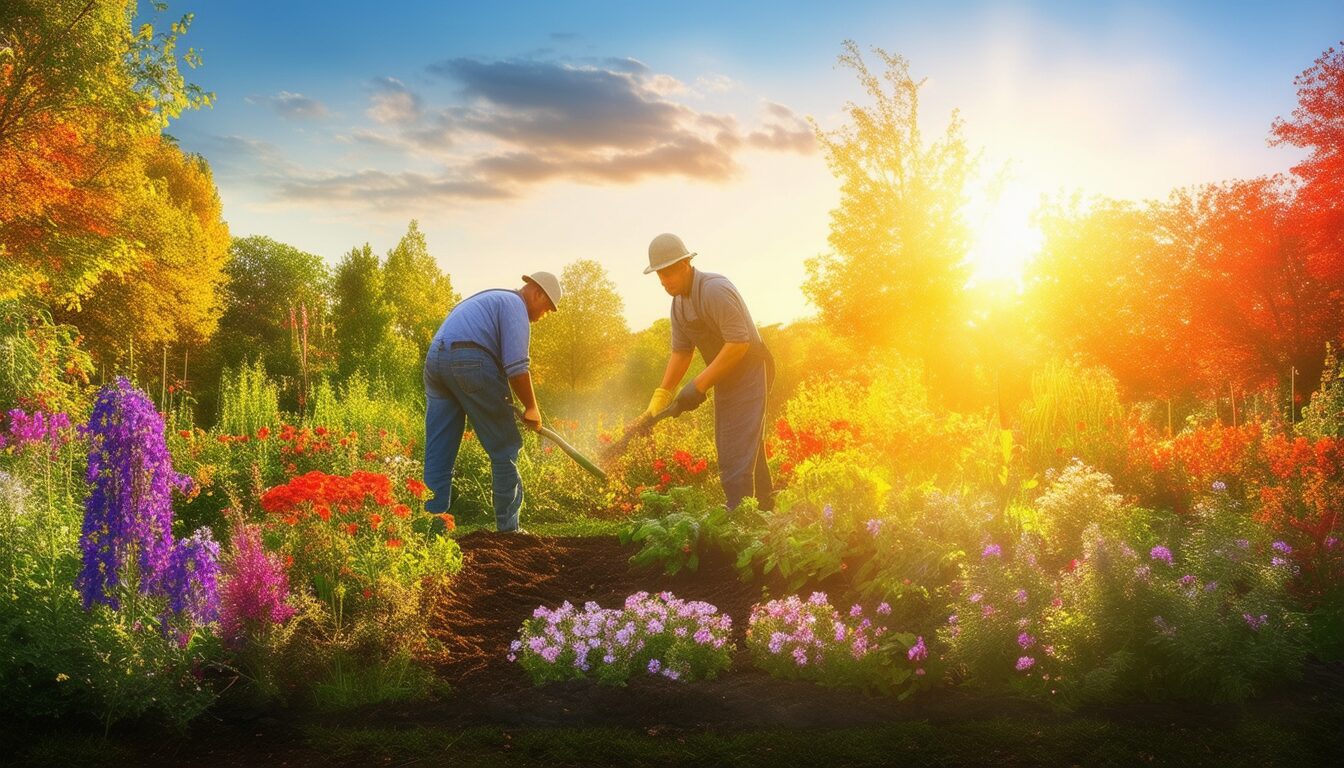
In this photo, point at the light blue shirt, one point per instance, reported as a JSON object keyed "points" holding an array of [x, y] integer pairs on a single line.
{"points": [[495, 319]]}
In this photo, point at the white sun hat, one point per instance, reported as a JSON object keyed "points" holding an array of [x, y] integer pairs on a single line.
{"points": [[666, 250]]}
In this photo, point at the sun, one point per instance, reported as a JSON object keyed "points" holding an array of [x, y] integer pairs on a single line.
{"points": [[1004, 239]]}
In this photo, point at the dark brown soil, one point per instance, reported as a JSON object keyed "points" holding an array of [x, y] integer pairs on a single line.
{"points": [[505, 577]]}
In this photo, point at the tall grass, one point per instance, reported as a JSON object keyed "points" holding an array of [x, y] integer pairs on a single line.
{"points": [[1073, 412], [248, 399], [361, 403]]}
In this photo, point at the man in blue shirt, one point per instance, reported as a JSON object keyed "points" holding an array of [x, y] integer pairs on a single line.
{"points": [[709, 314], [479, 353]]}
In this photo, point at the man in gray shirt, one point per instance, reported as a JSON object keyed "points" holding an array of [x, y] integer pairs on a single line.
{"points": [[709, 314], [479, 353]]}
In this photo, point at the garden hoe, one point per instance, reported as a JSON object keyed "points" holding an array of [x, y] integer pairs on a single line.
{"points": [[641, 426], [573, 453]]}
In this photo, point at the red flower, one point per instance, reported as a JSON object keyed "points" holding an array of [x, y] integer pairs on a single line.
{"points": [[401, 510], [375, 520], [448, 521], [352, 528], [416, 487], [263, 433], [393, 543]]}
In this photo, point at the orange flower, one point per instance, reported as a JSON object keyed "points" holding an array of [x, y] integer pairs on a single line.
{"points": [[401, 510], [263, 433], [352, 528], [448, 521], [375, 520], [393, 543]]}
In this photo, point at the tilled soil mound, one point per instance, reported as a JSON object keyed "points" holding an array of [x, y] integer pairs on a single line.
{"points": [[505, 577]]}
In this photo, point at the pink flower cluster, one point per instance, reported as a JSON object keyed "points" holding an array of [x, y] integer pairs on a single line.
{"points": [[659, 634], [255, 595]]}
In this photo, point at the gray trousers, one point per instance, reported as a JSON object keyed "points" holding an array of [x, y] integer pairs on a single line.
{"points": [[739, 435]]}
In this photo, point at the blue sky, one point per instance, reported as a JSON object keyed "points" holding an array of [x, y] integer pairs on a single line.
{"points": [[524, 136]]}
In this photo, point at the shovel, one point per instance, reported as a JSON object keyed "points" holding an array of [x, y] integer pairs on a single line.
{"points": [[572, 452]]}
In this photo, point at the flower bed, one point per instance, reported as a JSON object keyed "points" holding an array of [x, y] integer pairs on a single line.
{"points": [[651, 634]]}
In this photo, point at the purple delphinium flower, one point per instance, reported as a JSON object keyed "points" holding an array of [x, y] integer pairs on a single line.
{"points": [[1024, 663], [1161, 553], [129, 506], [255, 592], [190, 582], [991, 550]]}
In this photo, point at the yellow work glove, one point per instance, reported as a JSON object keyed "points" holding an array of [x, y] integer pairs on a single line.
{"points": [[661, 399]]}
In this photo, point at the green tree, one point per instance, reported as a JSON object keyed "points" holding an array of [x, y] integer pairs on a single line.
{"points": [[271, 288], [581, 346], [894, 277], [419, 295], [362, 318]]}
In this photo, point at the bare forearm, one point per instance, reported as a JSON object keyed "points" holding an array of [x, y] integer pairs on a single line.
{"points": [[522, 388], [677, 365], [723, 363]]}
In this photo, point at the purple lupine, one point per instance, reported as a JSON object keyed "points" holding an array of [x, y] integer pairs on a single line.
{"points": [[256, 588], [128, 511]]}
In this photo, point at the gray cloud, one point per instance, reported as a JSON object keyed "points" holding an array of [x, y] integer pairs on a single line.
{"points": [[519, 123], [382, 189], [291, 106]]}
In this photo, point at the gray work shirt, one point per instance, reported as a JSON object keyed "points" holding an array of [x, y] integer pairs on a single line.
{"points": [[714, 311]]}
